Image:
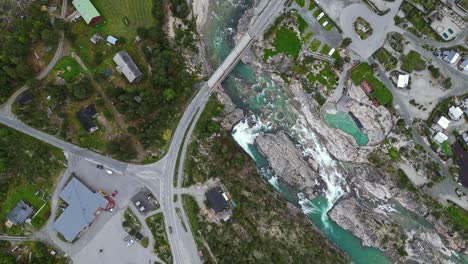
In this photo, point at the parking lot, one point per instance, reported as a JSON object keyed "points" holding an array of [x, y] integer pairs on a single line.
{"points": [[145, 201]]}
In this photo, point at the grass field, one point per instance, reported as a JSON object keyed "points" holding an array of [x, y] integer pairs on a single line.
{"points": [[365, 72], [123, 17], [287, 42], [70, 68]]}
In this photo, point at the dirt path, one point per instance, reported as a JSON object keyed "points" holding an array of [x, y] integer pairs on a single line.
{"points": [[118, 117]]}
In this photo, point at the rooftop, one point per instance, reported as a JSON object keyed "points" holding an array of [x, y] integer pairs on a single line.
{"points": [[86, 10], [216, 199], [83, 205], [127, 66], [403, 80], [440, 137], [443, 122], [455, 112], [20, 213]]}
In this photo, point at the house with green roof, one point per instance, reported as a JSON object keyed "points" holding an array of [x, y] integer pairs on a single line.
{"points": [[87, 10]]}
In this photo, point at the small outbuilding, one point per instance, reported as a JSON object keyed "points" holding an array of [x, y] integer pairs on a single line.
{"points": [[403, 80], [443, 122], [455, 113], [111, 40], [20, 213]]}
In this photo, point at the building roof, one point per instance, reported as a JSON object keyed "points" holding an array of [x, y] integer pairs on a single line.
{"points": [[86, 10], [464, 64], [443, 122], [451, 56], [20, 213], [216, 199], [440, 137], [462, 157], [111, 39], [127, 66], [86, 119], [403, 80], [455, 112], [82, 207]]}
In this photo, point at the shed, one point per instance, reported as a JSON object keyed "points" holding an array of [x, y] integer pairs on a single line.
{"points": [[87, 10], [216, 200], [440, 137], [20, 213], [443, 122], [403, 80], [83, 206], [111, 40], [455, 113]]}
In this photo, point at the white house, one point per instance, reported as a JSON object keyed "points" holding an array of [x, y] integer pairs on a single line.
{"points": [[440, 137], [450, 56], [455, 113], [111, 40], [443, 122], [127, 67], [403, 80]]}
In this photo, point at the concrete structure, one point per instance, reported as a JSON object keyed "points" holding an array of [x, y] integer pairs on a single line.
{"points": [[403, 80], [83, 206], [440, 137], [445, 27], [87, 10], [111, 40], [443, 122], [450, 56], [455, 113], [20, 213], [127, 67]]}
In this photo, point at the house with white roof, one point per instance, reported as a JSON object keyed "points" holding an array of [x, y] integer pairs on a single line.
{"points": [[403, 80], [127, 67], [450, 56], [111, 40], [440, 138], [455, 113], [443, 122]]}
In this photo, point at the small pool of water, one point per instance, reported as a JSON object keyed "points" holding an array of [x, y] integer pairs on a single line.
{"points": [[344, 122]]}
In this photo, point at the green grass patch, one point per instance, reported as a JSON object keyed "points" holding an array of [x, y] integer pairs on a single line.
{"points": [[317, 13], [308, 36], [300, 3], [287, 42], [311, 6], [412, 61], [68, 67], [365, 72], [325, 49], [315, 45], [446, 148], [123, 17], [192, 210], [161, 245], [329, 26], [394, 154], [267, 53], [459, 218], [386, 59], [303, 25]]}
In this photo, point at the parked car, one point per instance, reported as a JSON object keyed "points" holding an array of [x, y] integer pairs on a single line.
{"points": [[127, 238], [99, 166], [170, 230], [109, 172], [130, 242], [114, 193]]}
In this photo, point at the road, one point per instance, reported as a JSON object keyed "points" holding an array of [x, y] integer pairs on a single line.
{"points": [[159, 177]]}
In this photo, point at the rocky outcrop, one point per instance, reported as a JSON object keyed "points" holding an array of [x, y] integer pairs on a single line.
{"points": [[232, 115], [287, 162]]}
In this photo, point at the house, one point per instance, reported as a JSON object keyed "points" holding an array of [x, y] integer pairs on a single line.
{"points": [[403, 80], [86, 116], [20, 213], [95, 38], [83, 206], [443, 122], [127, 67], [440, 138], [455, 113], [87, 10], [450, 56], [465, 137], [463, 64], [462, 162], [217, 200], [111, 40]]}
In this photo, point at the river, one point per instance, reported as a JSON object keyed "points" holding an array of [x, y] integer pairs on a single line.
{"points": [[270, 106]]}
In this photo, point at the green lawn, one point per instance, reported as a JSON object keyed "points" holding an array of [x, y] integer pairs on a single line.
{"points": [[315, 45], [302, 23], [300, 3], [412, 61], [70, 68], [365, 72], [117, 13], [287, 42], [394, 154]]}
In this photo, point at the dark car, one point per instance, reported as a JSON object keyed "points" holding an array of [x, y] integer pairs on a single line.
{"points": [[170, 230], [99, 166]]}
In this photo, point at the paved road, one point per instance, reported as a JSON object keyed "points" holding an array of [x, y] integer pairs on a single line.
{"points": [[158, 177]]}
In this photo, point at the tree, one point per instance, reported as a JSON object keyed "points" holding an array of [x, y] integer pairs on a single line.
{"points": [[434, 71], [448, 83], [169, 95], [81, 90], [346, 42], [339, 62]]}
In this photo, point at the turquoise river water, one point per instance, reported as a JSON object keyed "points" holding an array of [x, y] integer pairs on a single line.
{"points": [[270, 103]]}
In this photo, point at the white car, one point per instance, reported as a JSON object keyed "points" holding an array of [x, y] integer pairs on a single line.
{"points": [[325, 23], [130, 243], [109, 172], [320, 16], [317, 1]]}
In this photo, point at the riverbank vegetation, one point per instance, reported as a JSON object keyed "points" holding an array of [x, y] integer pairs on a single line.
{"points": [[158, 229], [264, 228], [29, 252], [28, 171]]}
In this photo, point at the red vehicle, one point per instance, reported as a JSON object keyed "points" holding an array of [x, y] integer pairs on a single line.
{"points": [[114, 193]]}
